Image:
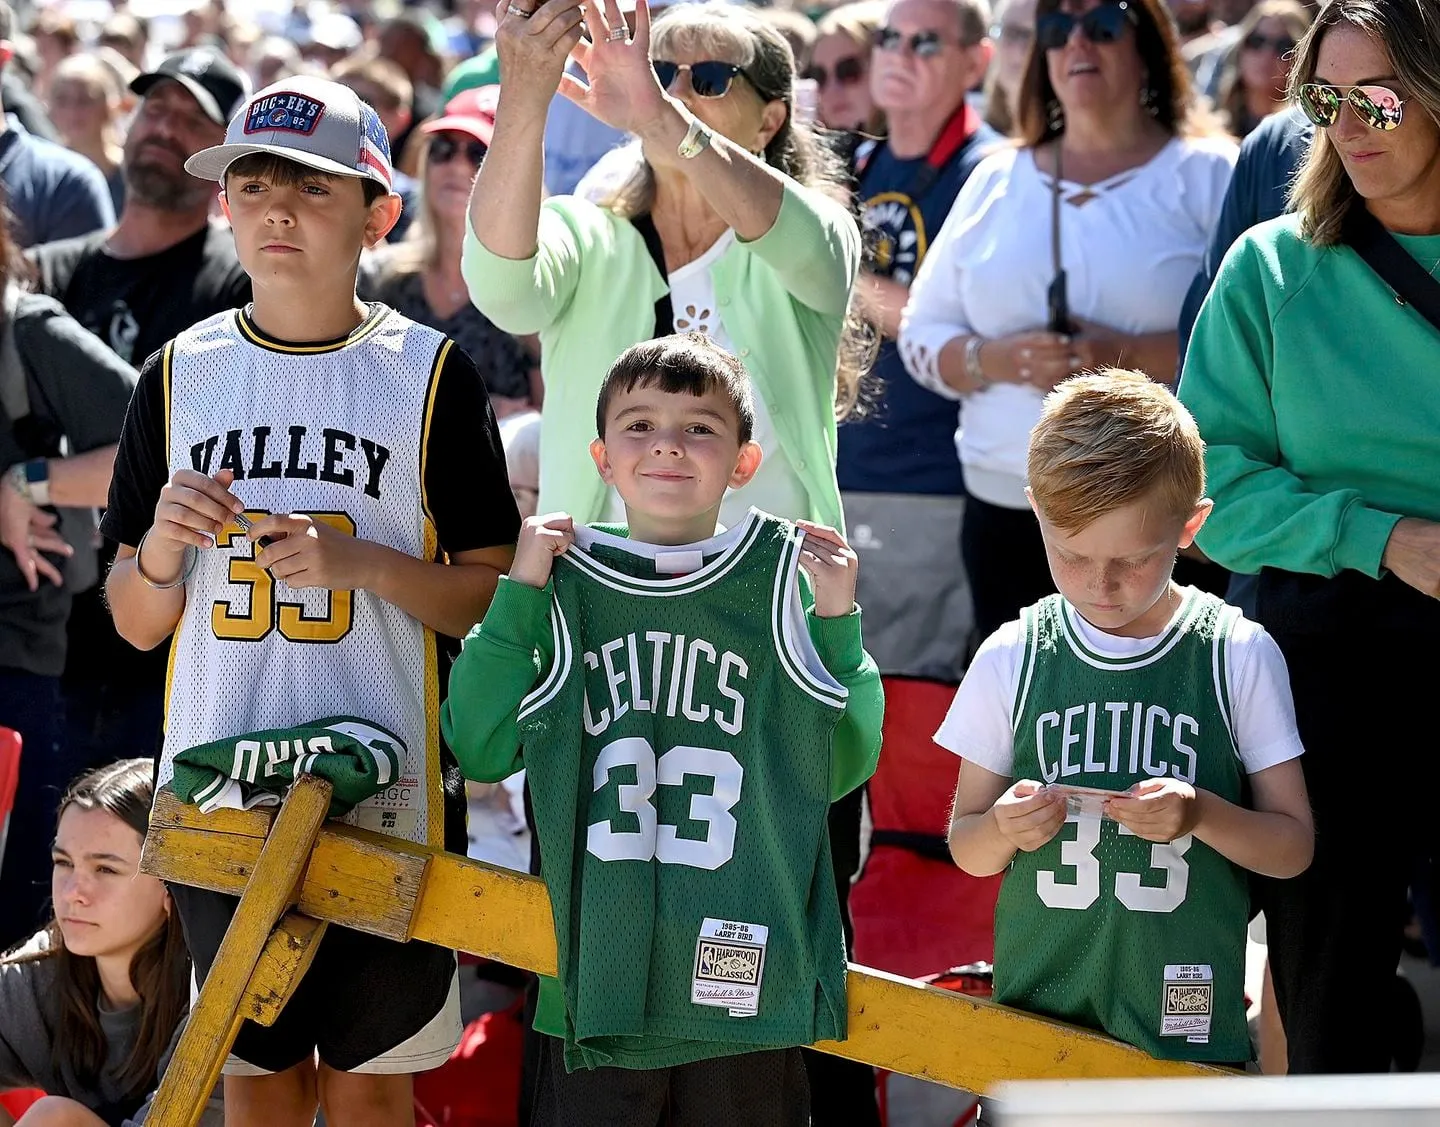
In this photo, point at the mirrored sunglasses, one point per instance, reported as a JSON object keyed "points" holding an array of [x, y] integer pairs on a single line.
{"points": [[848, 71], [923, 44], [444, 147], [1379, 107], [1101, 25], [1281, 44], [709, 79]]}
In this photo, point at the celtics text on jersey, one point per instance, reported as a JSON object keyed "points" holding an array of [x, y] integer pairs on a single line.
{"points": [[1143, 940], [678, 751]]}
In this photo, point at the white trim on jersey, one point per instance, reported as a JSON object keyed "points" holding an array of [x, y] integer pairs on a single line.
{"points": [[560, 664], [798, 656], [1220, 670], [731, 546]]}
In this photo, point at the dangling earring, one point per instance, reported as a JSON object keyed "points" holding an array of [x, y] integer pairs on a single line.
{"points": [[1149, 101], [1055, 116]]}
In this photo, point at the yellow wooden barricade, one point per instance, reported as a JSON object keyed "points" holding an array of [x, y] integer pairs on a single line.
{"points": [[295, 874]]}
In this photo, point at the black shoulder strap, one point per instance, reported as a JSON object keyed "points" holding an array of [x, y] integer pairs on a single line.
{"points": [[664, 311], [1397, 269]]}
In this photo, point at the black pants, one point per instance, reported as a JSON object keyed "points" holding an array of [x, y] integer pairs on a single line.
{"points": [[1362, 665], [761, 1089], [1005, 562]]}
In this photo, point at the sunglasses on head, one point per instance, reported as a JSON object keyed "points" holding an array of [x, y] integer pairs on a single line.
{"points": [[709, 79], [444, 148], [1280, 44], [923, 44], [848, 71], [1377, 106], [1101, 25]]}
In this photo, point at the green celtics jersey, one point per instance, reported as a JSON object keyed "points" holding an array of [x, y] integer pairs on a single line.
{"points": [[1099, 927], [678, 754]]}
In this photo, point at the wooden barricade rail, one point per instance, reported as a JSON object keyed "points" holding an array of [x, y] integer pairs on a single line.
{"points": [[296, 874]]}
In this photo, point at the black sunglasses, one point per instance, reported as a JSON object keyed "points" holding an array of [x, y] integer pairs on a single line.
{"points": [[443, 149], [848, 71], [1379, 107], [1101, 25], [923, 44], [1280, 44], [709, 79]]}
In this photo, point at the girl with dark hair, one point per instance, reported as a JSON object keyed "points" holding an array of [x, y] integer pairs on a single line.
{"points": [[89, 1006], [1070, 252]]}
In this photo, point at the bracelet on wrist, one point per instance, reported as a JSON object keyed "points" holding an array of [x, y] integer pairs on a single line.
{"points": [[189, 565], [973, 368]]}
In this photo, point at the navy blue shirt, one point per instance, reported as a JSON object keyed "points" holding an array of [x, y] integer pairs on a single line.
{"points": [[906, 444], [52, 192]]}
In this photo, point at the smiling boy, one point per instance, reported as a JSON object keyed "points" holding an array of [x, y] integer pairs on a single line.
{"points": [[1126, 911], [306, 492], [687, 715]]}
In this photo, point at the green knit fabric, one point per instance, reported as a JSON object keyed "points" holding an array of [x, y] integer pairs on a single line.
{"points": [[358, 759]]}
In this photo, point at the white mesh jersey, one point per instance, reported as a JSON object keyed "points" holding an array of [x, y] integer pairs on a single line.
{"points": [[338, 432]]}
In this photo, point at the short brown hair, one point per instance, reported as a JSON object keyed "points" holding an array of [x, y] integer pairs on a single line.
{"points": [[1109, 439], [386, 76], [681, 364]]}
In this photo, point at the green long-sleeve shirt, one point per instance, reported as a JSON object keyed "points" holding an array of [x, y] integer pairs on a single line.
{"points": [[508, 654], [1315, 393]]}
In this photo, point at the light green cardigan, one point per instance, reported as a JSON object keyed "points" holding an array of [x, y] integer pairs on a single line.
{"points": [[590, 292]]}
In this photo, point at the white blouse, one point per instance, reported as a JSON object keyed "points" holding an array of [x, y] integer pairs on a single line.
{"points": [[776, 488], [1130, 246]]}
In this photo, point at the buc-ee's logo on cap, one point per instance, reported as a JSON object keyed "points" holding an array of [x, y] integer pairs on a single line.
{"points": [[291, 113]]}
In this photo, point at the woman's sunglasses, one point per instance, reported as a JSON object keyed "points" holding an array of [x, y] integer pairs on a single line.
{"points": [[1101, 25], [848, 71], [923, 44], [709, 79], [443, 150], [1377, 106], [1282, 45]]}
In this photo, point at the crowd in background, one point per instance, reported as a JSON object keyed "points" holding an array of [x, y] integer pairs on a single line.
{"points": [[1027, 192]]}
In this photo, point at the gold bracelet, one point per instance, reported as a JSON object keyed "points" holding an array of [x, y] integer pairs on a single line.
{"points": [[190, 556], [696, 141], [972, 362]]}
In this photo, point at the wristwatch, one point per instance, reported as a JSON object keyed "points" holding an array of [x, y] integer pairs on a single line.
{"points": [[697, 140], [31, 480]]}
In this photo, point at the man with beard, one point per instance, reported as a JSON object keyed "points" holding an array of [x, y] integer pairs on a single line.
{"points": [[162, 268]]}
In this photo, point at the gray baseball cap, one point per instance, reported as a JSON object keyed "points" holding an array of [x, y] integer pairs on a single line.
{"points": [[311, 121]]}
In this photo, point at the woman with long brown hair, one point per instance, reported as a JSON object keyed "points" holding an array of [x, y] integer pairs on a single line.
{"points": [[1256, 75], [1071, 251], [90, 1004]]}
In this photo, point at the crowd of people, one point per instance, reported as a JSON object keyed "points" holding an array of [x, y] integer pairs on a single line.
{"points": [[875, 243]]}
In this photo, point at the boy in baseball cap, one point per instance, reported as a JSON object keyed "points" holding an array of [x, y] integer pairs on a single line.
{"points": [[310, 490]]}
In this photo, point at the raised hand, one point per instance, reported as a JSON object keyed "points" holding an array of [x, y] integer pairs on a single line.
{"points": [[831, 564], [620, 87], [534, 44], [541, 539]]}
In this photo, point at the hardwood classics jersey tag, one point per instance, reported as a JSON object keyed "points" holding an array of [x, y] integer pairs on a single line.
{"points": [[1188, 1002], [729, 965]]}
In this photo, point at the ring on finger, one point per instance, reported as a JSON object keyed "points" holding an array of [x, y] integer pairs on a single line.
{"points": [[517, 11], [617, 34]]}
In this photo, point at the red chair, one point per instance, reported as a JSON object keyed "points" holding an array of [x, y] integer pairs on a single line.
{"points": [[9, 778]]}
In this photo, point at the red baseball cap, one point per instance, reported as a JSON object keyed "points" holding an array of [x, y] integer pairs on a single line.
{"points": [[471, 112]]}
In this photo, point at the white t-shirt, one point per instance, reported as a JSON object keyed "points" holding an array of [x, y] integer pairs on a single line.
{"points": [[978, 725], [1130, 252], [775, 488]]}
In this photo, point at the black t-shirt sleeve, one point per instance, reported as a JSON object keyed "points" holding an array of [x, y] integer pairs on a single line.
{"points": [[142, 464], [467, 488]]}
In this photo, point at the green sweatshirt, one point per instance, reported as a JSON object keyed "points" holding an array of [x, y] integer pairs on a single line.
{"points": [[508, 653], [1314, 390]]}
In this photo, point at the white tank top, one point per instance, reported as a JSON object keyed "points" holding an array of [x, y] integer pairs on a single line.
{"points": [[338, 432]]}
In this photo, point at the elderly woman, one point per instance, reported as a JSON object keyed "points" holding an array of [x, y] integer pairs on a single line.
{"points": [[730, 224], [1312, 378], [1116, 183]]}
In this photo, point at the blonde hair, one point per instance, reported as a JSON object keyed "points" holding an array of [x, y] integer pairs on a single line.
{"points": [[1110, 439], [1409, 31]]}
